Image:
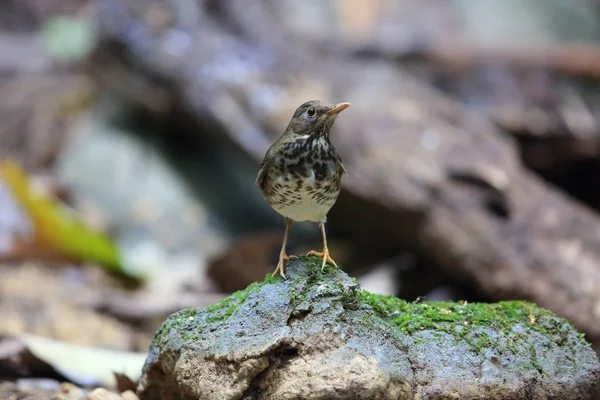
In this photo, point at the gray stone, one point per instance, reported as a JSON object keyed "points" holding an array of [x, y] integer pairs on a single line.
{"points": [[318, 336]]}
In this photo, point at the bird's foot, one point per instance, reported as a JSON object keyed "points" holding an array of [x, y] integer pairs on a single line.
{"points": [[282, 259], [325, 255]]}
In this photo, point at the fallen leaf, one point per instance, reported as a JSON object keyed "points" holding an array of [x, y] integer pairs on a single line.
{"points": [[84, 366], [57, 229], [16, 361]]}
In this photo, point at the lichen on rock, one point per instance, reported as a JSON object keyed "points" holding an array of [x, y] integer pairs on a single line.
{"points": [[317, 335]]}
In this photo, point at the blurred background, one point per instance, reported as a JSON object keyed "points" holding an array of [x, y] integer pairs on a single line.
{"points": [[131, 133]]}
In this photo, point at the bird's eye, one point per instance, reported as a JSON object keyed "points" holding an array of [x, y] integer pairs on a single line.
{"points": [[311, 112]]}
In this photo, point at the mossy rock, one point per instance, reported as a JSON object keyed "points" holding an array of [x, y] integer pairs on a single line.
{"points": [[318, 336]]}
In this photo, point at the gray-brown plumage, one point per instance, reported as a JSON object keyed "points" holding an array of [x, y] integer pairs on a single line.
{"points": [[300, 176]]}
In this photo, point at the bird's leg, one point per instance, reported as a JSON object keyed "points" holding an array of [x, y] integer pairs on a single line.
{"points": [[283, 257], [325, 252]]}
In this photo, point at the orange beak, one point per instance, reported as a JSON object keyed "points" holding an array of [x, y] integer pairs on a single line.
{"points": [[338, 108]]}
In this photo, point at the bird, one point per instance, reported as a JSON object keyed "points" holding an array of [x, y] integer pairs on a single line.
{"points": [[301, 173]]}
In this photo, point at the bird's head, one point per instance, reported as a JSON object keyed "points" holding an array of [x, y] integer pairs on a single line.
{"points": [[314, 118]]}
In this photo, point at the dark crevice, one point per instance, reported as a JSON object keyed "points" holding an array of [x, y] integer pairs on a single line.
{"points": [[254, 389], [298, 315], [284, 354], [568, 164], [413, 385], [277, 358], [492, 198], [529, 389]]}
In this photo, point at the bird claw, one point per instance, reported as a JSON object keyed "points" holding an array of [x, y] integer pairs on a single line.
{"points": [[282, 259], [326, 257]]}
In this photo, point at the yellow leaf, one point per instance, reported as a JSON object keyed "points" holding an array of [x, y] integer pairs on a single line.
{"points": [[55, 226]]}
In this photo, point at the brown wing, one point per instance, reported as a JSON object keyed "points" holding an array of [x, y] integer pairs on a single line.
{"points": [[261, 179], [340, 163]]}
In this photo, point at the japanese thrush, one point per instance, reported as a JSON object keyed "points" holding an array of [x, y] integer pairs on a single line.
{"points": [[300, 176]]}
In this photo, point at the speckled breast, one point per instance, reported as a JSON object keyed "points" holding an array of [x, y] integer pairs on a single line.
{"points": [[304, 185]]}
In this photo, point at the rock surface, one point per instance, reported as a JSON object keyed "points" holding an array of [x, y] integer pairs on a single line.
{"points": [[318, 336]]}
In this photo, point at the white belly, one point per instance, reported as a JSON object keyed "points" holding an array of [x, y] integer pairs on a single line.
{"points": [[305, 209], [303, 204]]}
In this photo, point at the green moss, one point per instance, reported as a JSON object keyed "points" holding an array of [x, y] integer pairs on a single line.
{"points": [[465, 321], [295, 296], [222, 310], [270, 278], [217, 312], [313, 266], [485, 327]]}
